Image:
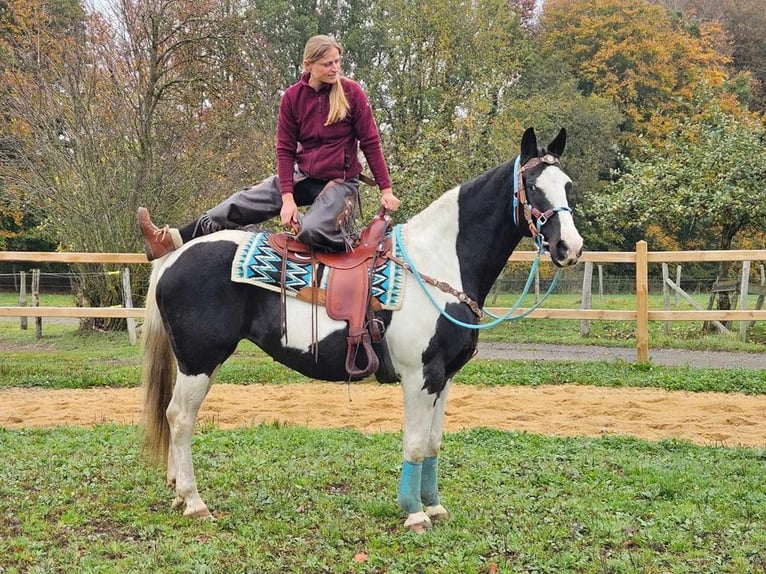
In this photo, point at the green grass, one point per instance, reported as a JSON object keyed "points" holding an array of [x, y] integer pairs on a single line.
{"points": [[68, 358], [614, 374], [289, 499]]}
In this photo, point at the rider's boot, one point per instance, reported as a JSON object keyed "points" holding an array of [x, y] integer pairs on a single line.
{"points": [[159, 241]]}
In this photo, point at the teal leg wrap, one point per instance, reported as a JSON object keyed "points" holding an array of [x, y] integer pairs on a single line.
{"points": [[429, 485], [409, 487]]}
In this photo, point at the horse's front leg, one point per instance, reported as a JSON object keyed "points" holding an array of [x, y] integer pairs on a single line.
{"points": [[429, 484], [420, 408], [188, 394]]}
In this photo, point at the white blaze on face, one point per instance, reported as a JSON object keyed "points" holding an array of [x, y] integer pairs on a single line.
{"points": [[553, 183]]}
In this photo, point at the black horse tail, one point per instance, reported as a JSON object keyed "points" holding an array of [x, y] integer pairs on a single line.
{"points": [[158, 375]]}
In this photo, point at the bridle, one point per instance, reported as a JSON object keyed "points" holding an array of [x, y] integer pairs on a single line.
{"points": [[534, 217]]}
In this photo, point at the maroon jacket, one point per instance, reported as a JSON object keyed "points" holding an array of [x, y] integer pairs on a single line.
{"points": [[326, 152]]}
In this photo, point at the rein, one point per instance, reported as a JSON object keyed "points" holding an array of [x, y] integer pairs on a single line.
{"points": [[535, 220], [463, 298], [423, 279]]}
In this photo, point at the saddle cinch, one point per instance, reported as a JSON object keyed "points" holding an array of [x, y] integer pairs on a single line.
{"points": [[347, 296]]}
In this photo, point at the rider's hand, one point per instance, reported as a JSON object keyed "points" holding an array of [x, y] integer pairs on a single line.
{"points": [[289, 212], [389, 200]]}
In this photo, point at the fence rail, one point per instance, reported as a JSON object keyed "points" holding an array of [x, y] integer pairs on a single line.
{"points": [[641, 315]]}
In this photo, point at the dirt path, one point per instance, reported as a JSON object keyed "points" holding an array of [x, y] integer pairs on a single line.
{"points": [[666, 357], [562, 410]]}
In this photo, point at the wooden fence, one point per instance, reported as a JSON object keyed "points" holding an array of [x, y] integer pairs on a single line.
{"points": [[640, 259]]}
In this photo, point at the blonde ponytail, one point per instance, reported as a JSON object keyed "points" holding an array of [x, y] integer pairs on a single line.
{"points": [[338, 103]]}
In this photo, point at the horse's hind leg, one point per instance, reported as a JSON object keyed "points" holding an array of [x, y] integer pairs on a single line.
{"points": [[188, 394]]}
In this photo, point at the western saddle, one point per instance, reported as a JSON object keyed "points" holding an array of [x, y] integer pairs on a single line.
{"points": [[347, 296]]}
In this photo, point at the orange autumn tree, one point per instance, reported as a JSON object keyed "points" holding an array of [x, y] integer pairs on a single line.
{"points": [[744, 21], [639, 54]]}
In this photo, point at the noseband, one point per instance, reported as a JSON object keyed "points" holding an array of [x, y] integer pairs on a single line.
{"points": [[534, 217]]}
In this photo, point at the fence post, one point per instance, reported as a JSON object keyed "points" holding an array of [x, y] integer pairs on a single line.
{"points": [[587, 288], [744, 287], [666, 295], [36, 302], [127, 301], [642, 302], [23, 298], [759, 301]]}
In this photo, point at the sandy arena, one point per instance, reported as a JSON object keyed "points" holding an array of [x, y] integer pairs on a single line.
{"points": [[563, 410]]}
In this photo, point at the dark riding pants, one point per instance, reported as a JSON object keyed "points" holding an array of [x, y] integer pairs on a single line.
{"points": [[325, 225]]}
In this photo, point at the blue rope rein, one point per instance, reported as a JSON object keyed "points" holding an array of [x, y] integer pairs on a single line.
{"points": [[507, 316]]}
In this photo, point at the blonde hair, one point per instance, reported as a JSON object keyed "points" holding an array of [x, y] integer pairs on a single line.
{"points": [[315, 50]]}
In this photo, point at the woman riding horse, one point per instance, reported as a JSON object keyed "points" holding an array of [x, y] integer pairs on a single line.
{"points": [[197, 315]]}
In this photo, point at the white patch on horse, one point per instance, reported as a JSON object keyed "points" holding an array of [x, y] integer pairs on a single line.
{"points": [[188, 394], [299, 314], [432, 250]]}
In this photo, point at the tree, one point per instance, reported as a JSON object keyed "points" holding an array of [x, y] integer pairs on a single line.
{"points": [[32, 34], [744, 21], [546, 97], [144, 111], [702, 188], [439, 75], [638, 54]]}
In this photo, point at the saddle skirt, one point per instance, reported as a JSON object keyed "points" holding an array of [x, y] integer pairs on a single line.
{"points": [[258, 263]]}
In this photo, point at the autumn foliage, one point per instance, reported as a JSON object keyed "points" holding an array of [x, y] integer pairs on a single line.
{"points": [[638, 54]]}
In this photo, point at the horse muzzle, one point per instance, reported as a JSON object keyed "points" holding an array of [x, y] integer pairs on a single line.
{"points": [[564, 253]]}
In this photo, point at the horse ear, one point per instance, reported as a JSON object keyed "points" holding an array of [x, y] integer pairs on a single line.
{"points": [[556, 147], [528, 145]]}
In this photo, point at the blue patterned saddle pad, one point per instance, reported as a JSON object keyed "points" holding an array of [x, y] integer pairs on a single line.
{"points": [[257, 263]]}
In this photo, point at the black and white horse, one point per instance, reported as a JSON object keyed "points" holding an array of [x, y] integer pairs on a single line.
{"points": [[196, 315]]}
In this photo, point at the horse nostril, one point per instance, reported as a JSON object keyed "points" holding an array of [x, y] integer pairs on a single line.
{"points": [[564, 255]]}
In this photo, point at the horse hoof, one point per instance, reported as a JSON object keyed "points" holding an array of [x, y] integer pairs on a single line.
{"points": [[201, 514], [436, 513], [418, 522]]}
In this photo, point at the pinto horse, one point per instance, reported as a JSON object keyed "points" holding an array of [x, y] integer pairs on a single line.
{"points": [[195, 316]]}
